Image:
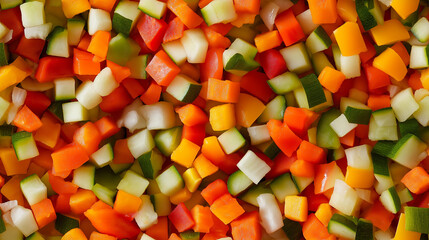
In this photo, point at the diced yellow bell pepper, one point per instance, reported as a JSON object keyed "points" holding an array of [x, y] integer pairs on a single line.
{"points": [[192, 179], [324, 213], [248, 109], [349, 39], [402, 233], [12, 190], [405, 7], [347, 10], [10, 75], [185, 153], [204, 167], [424, 78], [74, 7], [296, 208], [222, 117], [11, 163], [359, 178], [181, 196], [391, 63], [390, 32]]}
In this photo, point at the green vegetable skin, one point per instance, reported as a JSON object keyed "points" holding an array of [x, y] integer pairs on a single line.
{"points": [[110, 123]]}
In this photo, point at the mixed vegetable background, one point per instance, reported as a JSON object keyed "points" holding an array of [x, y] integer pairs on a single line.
{"points": [[214, 119]]}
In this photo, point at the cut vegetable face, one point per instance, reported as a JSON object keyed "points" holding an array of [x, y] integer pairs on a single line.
{"points": [[214, 119]]}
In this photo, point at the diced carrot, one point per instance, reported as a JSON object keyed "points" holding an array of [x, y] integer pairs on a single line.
{"points": [[416, 180], [84, 64], [323, 11], [106, 5], [82, 200], [162, 69], [69, 157], [311, 153], [74, 234], [226, 208], [246, 227], [121, 152], [203, 218], [159, 231], [268, 40], [414, 81], [126, 203], [214, 190], [331, 79], [174, 236], [215, 39], [12, 191], [299, 119], [100, 205], [116, 101], [84, 42], [44, 212], [152, 94], [247, 6], [302, 168], [99, 45], [106, 126], [283, 136], [61, 186], [379, 216], [289, 28], [119, 72], [27, 120], [11, 163], [48, 134], [204, 167], [62, 203], [184, 13], [223, 90], [100, 236], [88, 137], [192, 115], [376, 102], [133, 87]]}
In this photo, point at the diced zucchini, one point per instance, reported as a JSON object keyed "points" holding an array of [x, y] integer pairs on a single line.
{"points": [[4, 55], [153, 8], [133, 183], [350, 66], [58, 43], [45, 180], [84, 176], [238, 182], [273, 110], [404, 104], [33, 189], [103, 156], [63, 223], [87, 96], [359, 157], [24, 220], [231, 140], [140, 143], [390, 200], [104, 82], [355, 111], [125, 16], [168, 140], [326, 136], [104, 194], [313, 90], [417, 219], [64, 89], [284, 83], [175, 51], [320, 61], [7, 4], [364, 230], [75, 27], [302, 183], [422, 114], [151, 163], [254, 167], [250, 195], [407, 151], [270, 149], [342, 126], [190, 235], [106, 177], [137, 66], [161, 204], [74, 112], [382, 125], [195, 44], [420, 29], [296, 58], [146, 216], [419, 57], [219, 11], [170, 181], [369, 13], [283, 186], [122, 49], [11, 232], [404, 195], [98, 20], [184, 88], [24, 145], [342, 226], [292, 229], [306, 21], [409, 126], [32, 14], [35, 236], [318, 40], [239, 58], [381, 173], [159, 115]]}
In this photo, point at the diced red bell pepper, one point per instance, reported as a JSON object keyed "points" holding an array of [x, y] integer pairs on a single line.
{"points": [[152, 31], [284, 138], [51, 68], [181, 218], [213, 65], [30, 48], [272, 62], [255, 83], [116, 101], [11, 18], [37, 102]]}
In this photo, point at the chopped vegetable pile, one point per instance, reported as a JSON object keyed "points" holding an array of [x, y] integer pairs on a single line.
{"points": [[214, 119]]}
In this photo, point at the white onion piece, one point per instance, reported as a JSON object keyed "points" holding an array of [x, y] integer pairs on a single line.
{"points": [[268, 14], [7, 218], [38, 32], [18, 96], [7, 206], [269, 211], [133, 121], [7, 37], [421, 93], [13, 110]]}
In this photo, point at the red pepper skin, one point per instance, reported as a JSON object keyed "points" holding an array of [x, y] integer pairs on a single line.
{"points": [[152, 31], [181, 218], [11, 18], [284, 138], [108, 221], [51, 68], [37, 102], [255, 83], [272, 62], [116, 101], [30, 48], [195, 134]]}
